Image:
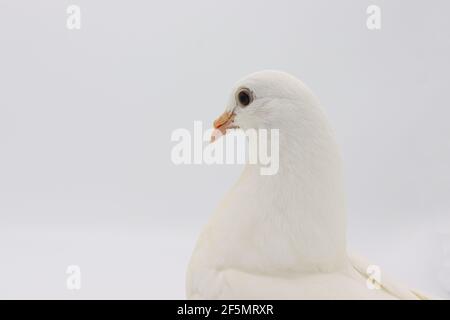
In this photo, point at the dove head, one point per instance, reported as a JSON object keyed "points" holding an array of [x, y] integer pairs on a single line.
{"points": [[274, 100], [267, 100]]}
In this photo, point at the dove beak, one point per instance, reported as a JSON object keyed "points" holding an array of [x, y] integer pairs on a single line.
{"points": [[221, 124]]}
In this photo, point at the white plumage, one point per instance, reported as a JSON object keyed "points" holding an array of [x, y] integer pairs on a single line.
{"points": [[283, 236]]}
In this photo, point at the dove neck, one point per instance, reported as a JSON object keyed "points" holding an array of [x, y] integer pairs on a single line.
{"points": [[301, 208]]}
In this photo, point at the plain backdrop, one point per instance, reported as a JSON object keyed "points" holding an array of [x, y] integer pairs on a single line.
{"points": [[86, 118]]}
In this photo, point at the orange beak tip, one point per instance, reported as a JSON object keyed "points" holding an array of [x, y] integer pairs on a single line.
{"points": [[221, 124]]}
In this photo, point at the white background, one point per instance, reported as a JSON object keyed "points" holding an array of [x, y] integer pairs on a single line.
{"points": [[86, 118]]}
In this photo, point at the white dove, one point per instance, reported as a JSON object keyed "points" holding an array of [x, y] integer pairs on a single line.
{"points": [[283, 236]]}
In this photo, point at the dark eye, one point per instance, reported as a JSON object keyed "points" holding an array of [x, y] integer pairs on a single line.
{"points": [[244, 97]]}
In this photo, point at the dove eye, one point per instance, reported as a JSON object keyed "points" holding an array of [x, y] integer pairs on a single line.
{"points": [[244, 97]]}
